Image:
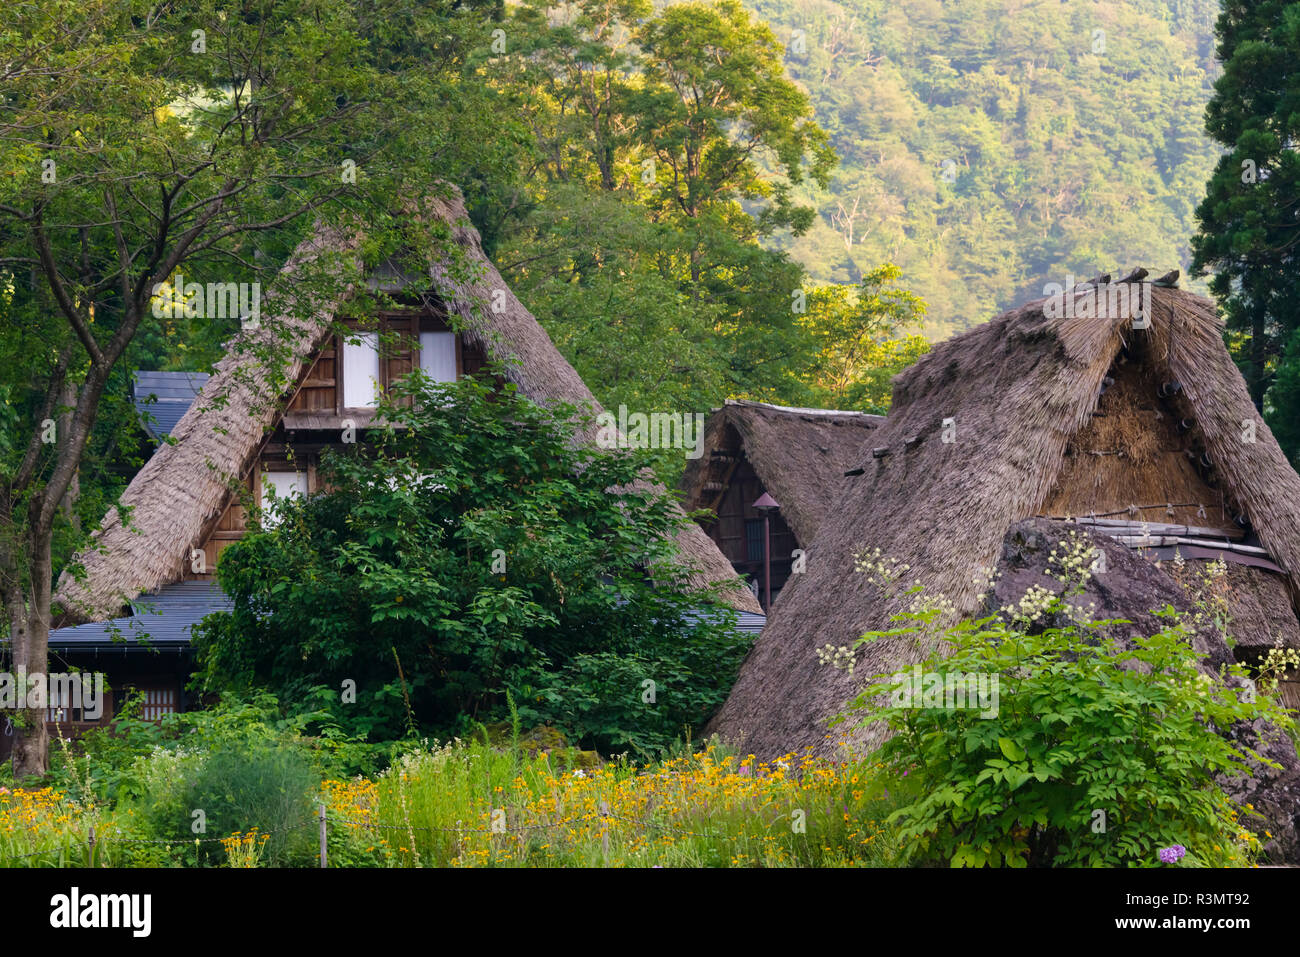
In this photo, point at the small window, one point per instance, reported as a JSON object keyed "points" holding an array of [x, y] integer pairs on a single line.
{"points": [[158, 702], [754, 539], [361, 370], [438, 355], [284, 485], [59, 708]]}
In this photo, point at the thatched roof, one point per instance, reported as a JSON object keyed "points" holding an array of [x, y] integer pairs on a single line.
{"points": [[800, 456], [1016, 392], [182, 491]]}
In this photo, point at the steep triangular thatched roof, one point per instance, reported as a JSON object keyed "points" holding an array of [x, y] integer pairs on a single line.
{"points": [[1015, 392], [800, 456], [181, 492]]}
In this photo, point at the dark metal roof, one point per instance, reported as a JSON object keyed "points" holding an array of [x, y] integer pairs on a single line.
{"points": [[162, 619], [162, 398], [747, 621]]}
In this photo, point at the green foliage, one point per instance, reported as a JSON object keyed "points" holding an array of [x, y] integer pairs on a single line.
{"points": [[862, 339], [472, 550], [110, 765], [715, 95], [267, 788], [141, 142], [1283, 409], [191, 797], [986, 147], [1248, 230], [1098, 753], [668, 145]]}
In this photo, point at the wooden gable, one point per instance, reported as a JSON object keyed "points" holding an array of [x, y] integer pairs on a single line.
{"points": [[316, 416]]}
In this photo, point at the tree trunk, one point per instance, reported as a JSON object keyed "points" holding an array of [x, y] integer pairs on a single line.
{"points": [[30, 624], [68, 402]]}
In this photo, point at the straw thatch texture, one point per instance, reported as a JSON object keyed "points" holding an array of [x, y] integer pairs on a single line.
{"points": [[1008, 396], [1131, 452], [184, 488], [800, 456]]}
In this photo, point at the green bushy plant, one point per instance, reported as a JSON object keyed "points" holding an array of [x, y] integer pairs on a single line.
{"points": [[472, 552], [241, 761], [113, 764], [268, 788], [1098, 752]]}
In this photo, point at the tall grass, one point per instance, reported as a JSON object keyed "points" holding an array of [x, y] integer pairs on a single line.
{"points": [[468, 804], [478, 803], [44, 827]]}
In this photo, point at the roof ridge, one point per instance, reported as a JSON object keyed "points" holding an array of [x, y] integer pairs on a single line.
{"points": [[799, 410]]}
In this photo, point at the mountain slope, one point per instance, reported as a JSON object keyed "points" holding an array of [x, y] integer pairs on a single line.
{"points": [[989, 146]]}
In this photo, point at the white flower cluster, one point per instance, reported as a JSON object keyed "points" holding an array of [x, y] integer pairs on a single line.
{"points": [[1207, 589], [923, 603], [890, 574], [985, 579], [841, 656], [1074, 562], [1032, 604], [1278, 661], [1202, 683], [880, 571], [1081, 614], [429, 757]]}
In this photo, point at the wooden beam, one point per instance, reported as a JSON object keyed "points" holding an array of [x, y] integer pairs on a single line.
{"points": [[1160, 541], [726, 481], [1161, 528]]}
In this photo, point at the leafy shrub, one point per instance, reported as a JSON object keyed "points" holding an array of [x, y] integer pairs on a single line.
{"points": [[474, 553], [240, 761], [117, 763], [628, 702], [1100, 753]]}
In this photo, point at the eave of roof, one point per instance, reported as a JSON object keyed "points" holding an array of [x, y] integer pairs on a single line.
{"points": [[162, 620]]}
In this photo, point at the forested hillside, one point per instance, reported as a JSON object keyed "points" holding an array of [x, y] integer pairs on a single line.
{"points": [[986, 144], [681, 251], [704, 200]]}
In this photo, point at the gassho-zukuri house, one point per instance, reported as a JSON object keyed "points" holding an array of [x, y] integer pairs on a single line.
{"points": [[255, 428], [1136, 426], [796, 456]]}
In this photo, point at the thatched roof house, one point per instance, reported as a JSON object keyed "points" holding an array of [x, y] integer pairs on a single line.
{"points": [[261, 400], [1148, 428], [798, 456]]}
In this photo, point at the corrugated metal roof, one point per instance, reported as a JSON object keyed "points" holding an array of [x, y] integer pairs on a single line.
{"points": [[747, 622], [163, 619], [162, 398]]}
